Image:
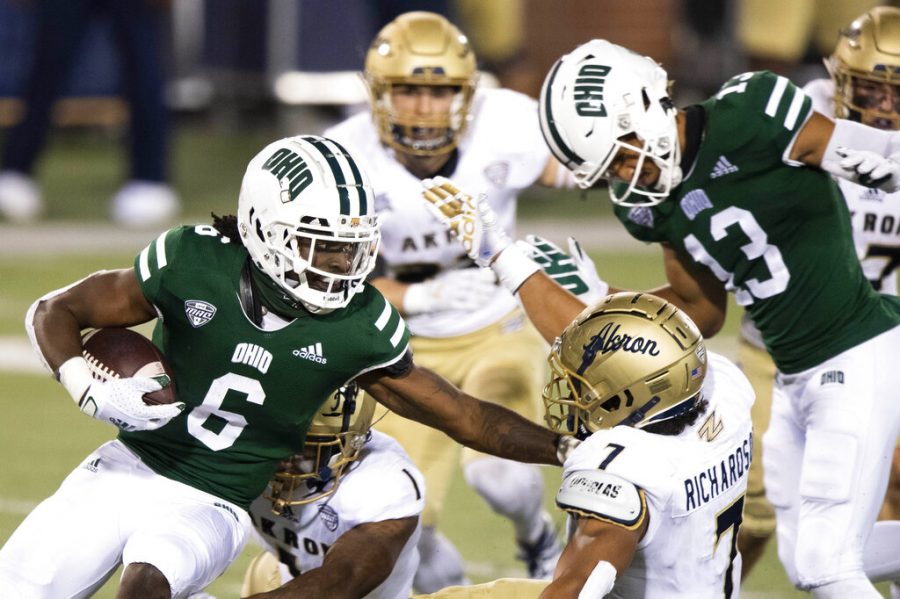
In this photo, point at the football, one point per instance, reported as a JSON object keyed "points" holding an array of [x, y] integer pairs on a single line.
{"points": [[122, 353]]}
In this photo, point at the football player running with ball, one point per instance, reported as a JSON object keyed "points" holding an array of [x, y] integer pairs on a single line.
{"points": [[738, 191], [661, 475], [261, 317], [352, 493], [428, 116]]}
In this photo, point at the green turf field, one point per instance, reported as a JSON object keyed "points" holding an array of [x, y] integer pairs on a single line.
{"points": [[42, 436]]}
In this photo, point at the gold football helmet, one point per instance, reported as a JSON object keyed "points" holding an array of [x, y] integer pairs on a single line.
{"points": [[420, 48], [335, 438], [865, 68], [633, 359]]}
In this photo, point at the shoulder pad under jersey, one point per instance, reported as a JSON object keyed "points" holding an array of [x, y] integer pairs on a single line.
{"points": [[603, 496]]}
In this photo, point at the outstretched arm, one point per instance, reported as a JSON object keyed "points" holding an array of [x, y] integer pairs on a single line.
{"points": [[850, 150], [360, 560], [594, 555], [426, 397]]}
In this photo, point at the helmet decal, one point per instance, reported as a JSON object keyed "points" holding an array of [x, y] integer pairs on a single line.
{"points": [[292, 172], [631, 360], [589, 90]]}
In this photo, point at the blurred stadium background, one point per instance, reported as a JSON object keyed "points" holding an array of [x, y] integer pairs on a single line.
{"points": [[245, 72]]}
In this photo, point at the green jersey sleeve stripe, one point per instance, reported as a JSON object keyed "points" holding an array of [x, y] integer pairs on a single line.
{"points": [[790, 121], [775, 97], [144, 263], [385, 315], [398, 334], [159, 247]]}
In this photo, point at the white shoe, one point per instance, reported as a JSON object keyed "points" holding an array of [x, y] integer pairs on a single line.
{"points": [[20, 197], [141, 204]]}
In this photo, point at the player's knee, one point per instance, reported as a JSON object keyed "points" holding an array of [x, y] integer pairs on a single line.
{"points": [[816, 559], [508, 487], [143, 581]]}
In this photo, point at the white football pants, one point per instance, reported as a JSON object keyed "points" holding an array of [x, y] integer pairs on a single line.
{"points": [[826, 457], [113, 509]]}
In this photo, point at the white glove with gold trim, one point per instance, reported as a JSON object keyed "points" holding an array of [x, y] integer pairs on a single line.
{"points": [[474, 224]]}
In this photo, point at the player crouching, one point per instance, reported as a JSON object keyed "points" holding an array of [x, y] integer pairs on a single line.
{"points": [[656, 489], [341, 519]]}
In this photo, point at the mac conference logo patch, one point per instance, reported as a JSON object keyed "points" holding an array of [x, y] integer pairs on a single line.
{"points": [[329, 517], [199, 312]]}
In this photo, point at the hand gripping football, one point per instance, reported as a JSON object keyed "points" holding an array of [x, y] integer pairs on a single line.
{"points": [[123, 353]]}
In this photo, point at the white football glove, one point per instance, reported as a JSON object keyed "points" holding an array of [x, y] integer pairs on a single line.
{"points": [[871, 168], [471, 220], [574, 272], [459, 289], [117, 401], [474, 224]]}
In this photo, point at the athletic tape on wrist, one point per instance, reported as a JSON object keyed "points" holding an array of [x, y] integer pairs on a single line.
{"points": [[513, 267], [75, 376]]}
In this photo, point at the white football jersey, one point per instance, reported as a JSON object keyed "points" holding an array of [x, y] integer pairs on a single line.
{"points": [[382, 485], [874, 214], [693, 485], [501, 153]]}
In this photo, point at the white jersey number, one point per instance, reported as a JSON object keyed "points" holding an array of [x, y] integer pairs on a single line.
{"points": [[210, 412], [759, 247]]}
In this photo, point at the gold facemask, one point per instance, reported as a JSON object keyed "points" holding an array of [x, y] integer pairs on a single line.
{"points": [[334, 441]]}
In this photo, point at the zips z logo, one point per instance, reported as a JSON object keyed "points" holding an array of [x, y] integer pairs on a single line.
{"points": [[589, 90]]}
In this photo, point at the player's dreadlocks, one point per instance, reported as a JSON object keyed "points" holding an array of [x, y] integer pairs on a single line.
{"points": [[227, 226]]}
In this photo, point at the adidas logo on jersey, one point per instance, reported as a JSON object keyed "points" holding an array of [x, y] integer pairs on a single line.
{"points": [[93, 465], [723, 167], [313, 353]]}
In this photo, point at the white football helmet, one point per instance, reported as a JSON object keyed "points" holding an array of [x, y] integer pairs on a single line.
{"points": [[306, 215], [596, 96], [335, 438], [632, 359]]}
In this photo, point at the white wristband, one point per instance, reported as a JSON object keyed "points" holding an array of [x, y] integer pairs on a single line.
{"points": [[513, 267], [600, 582], [75, 375]]}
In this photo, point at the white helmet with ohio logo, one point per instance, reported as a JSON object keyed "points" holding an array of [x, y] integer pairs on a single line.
{"points": [[306, 215], [633, 359], [594, 101]]}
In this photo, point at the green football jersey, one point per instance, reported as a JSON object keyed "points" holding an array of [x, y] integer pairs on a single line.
{"points": [[250, 394], [777, 235]]}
